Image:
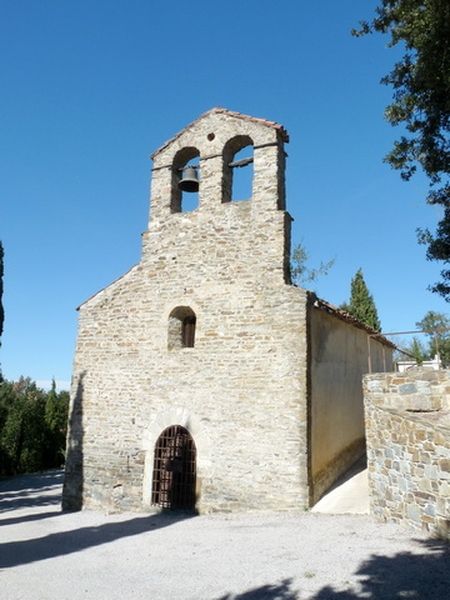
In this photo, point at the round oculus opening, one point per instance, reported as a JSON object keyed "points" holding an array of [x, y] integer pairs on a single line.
{"points": [[211, 136]]}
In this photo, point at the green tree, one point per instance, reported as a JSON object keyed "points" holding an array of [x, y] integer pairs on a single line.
{"points": [[56, 410], [361, 304], [418, 351], [415, 350], [301, 274], [421, 103], [32, 427], [7, 395], [24, 431], [437, 327]]}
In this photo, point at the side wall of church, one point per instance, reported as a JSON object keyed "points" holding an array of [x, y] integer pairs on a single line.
{"points": [[339, 359]]}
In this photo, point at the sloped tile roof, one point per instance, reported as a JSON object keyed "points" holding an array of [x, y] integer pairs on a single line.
{"points": [[348, 318]]}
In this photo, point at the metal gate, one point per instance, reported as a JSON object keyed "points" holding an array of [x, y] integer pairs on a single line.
{"points": [[174, 469]]}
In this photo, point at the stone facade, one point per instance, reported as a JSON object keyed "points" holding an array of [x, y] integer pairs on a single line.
{"points": [[242, 389], [408, 447]]}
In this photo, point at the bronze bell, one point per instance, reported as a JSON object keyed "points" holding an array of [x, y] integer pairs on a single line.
{"points": [[189, 180]]}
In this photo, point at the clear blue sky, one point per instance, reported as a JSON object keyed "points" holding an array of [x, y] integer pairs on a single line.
{"points": [[91, 88]]}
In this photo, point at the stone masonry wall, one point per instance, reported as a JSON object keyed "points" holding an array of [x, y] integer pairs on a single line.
{"points": [[241, 390], [408, 447]]}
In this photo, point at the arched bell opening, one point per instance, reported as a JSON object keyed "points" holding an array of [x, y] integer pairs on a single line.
{"points": [[238, 169], [174, 470], [185, 180]]}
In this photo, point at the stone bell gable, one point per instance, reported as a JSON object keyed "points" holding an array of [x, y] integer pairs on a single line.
{"points": [[215, 137], [221, 235]]}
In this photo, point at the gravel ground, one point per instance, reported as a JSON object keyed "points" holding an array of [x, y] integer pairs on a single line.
{"points": [[47, 555]]}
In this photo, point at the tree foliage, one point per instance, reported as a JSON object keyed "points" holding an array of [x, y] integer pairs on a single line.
{"points": [[301, 274], [418, 352], [361, 304], [437, 328], [421, 103], [33, 427]]}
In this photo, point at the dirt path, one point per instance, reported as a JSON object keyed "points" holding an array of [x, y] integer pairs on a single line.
{"points": [[46, 555]]}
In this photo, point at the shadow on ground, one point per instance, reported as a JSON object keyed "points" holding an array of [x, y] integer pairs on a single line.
{"points": [[424, 576], [30, 482], [68, 542], [277, 591], [28, 518], [42, 490], [27, 491]]}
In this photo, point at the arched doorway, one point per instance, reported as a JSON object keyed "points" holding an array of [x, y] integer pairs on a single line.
{"points": [[174, 469]]}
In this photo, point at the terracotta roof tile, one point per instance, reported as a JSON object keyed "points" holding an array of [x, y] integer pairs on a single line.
{"points": [[345, 316]]}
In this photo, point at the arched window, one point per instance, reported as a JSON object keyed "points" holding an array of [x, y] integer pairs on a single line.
{"points": [[238, 169], [182, 321], [185, 200], [174, 469]]}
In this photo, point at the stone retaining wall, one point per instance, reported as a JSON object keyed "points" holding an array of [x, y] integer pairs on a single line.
{"points": [[408, 448]]}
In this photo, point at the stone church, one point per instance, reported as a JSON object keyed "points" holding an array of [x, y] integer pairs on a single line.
{"points": [[203, 378]]}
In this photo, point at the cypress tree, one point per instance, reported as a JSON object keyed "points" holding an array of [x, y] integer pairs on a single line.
{"points": [[362, 305]]}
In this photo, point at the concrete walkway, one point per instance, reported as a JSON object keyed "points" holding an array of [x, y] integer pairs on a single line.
{"points": [[49, 555], [349, 495]]}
